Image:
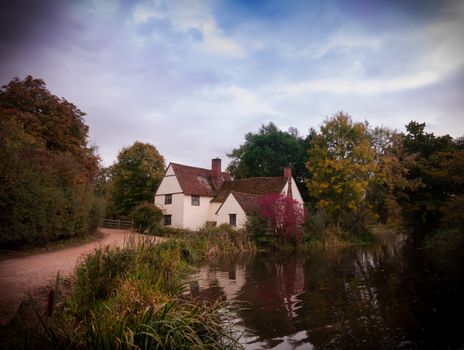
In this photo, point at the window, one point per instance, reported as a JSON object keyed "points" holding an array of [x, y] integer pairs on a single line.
{"points": [[233, 219], [167, 220], [196, 200], [168, 199]]}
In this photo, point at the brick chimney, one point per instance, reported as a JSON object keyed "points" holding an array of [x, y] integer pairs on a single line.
{"points": [[288, 175], [218, 179]]}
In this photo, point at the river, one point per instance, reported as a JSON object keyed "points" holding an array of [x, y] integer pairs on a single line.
{"points": [[388, 295]]}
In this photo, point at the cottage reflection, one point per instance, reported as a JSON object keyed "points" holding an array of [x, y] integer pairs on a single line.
{"points": [[382, 296]]}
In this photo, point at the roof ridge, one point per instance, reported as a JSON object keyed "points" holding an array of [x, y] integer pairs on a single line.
{"points": [[195, 167], [247, 194], [259, 177], [189, 166]]}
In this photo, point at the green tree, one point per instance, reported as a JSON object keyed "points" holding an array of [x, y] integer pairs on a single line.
{"points": [[439, 168], [135, 177], [341, 163], [267, 152]]}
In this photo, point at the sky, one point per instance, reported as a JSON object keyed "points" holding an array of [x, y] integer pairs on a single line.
{"points": [[193, 77]]}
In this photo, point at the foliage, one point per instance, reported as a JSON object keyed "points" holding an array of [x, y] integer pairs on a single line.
{"points": [[209, 240], [341, 163], [146, 216], [268, 152], [439, 167], [130, 298], [390, 179], [258, 228], [284, 215], [47, 170], [135, 177], [453, 213]]}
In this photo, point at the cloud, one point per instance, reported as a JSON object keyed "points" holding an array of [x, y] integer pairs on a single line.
{"points": [[362, 87], [188, 16], [192, 77]]}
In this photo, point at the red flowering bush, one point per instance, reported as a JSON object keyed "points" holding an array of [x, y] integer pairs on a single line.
{"points": [[285, 215]]}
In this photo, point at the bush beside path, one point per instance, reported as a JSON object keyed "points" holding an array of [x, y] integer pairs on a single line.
{"points": [[22, 275]]}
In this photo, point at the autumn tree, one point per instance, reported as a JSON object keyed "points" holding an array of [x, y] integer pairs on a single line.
{"points": [[341, 164], [267, 152], [47, 168], [135, 177], [54, 123], [390, 181]]}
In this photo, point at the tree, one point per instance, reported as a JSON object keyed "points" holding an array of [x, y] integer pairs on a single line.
{"points": [[267, 152], [341, 164], [135, 177], [54, 123], [47, 169], [391, 176], [439, 168]]}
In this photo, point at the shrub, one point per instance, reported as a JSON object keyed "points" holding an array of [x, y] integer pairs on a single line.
{"points": [[258, 228], [285, 216], [146, 216]]}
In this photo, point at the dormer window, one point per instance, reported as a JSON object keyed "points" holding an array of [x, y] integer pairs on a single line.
{"points": [[196, 200], [168, 199]]}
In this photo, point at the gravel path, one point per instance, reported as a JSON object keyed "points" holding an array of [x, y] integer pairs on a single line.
{"points": [[26, 274]]}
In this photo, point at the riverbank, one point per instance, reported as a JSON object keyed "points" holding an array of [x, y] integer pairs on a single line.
{"points": [[132, 297], [27, 272]]}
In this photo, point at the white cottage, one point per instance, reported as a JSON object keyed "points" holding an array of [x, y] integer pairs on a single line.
{"points": [[191, 196]]}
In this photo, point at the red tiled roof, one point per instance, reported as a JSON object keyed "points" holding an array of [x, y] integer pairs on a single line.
{"points": [[248, 202], [254, 185], [196, 181]]}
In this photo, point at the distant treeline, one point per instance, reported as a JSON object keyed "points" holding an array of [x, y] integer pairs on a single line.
{"points": [[351, 175]]}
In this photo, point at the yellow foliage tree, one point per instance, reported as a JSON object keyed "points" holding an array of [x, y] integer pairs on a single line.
{"points": [[341, 164]]}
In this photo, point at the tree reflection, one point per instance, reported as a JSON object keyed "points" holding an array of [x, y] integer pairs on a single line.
{"points": [[382, 296]]}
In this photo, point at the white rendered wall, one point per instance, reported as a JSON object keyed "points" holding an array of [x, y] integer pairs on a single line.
{"points": [[176, 208], [231, 206], [170, 185], [195, 216], [295, 192], [213, 208]]}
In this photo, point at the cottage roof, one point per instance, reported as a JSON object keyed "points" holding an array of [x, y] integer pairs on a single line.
{"points": [[196, 181], [248, 202], [254, 185]]}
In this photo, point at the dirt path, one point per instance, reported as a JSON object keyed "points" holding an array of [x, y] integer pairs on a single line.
{"points": [[26, 274]]}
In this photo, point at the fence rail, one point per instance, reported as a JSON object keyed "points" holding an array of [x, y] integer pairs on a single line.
{"points": [[110, 223]]}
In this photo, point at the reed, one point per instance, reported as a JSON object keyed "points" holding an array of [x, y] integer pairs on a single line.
{"points": [[131, 298]]}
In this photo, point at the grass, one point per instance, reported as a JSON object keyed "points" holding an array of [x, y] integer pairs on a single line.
{"points": [[131, 298]]}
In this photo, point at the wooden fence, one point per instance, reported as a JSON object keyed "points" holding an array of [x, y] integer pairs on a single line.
{"points": [[120, 224]]}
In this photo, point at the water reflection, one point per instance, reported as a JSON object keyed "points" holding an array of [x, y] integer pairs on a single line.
{"points": [[379, 297]]}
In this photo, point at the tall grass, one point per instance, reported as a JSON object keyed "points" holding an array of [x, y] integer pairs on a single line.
{"points": [[131, 298], [209, 240]]}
